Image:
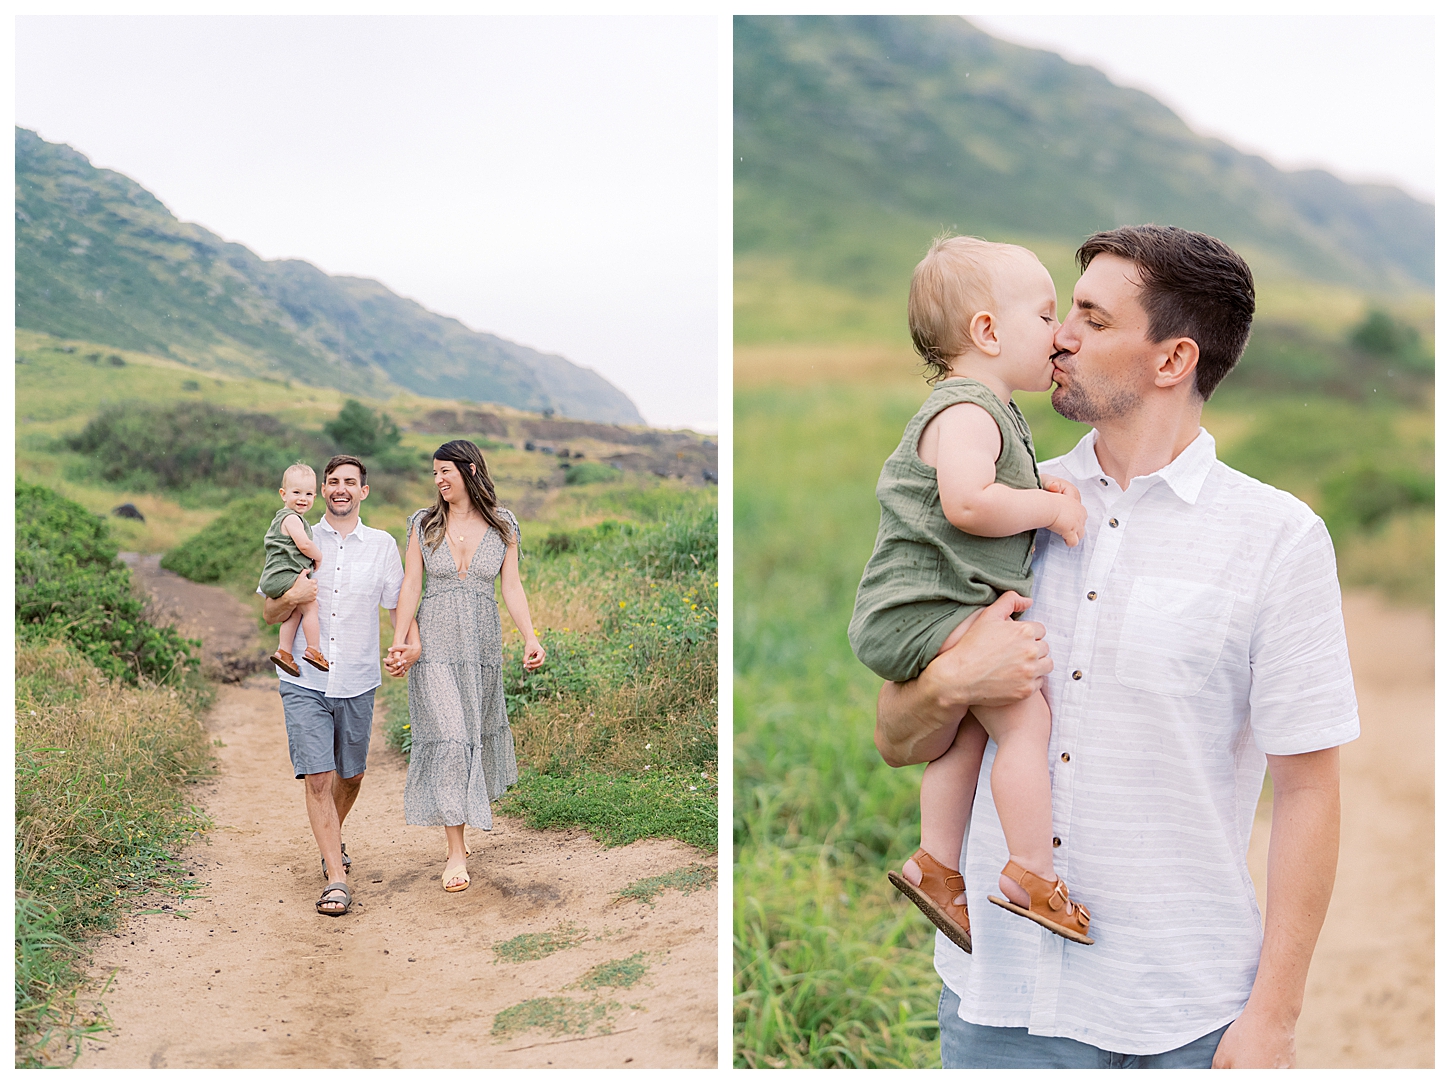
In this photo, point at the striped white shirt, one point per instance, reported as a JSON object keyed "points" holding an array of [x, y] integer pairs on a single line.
{"points": [[357, 574], [1196, 628]]}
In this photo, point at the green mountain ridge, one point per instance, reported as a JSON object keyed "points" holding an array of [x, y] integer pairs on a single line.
{"points": [[99, 258], [859, 137]]}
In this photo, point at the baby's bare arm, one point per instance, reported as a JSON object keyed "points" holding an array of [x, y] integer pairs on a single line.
{"points": [[966, 447], [294, 527]]}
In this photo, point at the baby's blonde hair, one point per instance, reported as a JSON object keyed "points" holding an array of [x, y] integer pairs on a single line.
{"points": [[296, 469], [952, 284]]}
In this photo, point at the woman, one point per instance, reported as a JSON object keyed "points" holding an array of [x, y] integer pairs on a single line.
{"points": [[463, 750]]}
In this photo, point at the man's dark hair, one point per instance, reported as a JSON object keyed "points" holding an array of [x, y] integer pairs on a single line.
{"points": [[1194, 286], [342, 461]]}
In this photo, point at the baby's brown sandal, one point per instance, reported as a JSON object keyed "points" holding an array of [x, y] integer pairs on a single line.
{"points": [[933, 897]]}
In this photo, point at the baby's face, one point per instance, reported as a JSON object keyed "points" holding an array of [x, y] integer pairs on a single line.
{"points": [[299, 493], [1027, 303]]}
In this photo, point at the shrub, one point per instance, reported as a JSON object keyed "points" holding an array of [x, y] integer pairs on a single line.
{"points": [[68, 586], [193, 447], [358, 430], [229, 549]]}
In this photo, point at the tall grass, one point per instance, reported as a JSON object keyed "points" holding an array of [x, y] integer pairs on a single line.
{"points": [[101, 804], [832, 967]]}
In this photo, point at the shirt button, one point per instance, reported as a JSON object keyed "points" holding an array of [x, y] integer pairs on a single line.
{"points": [[1092, 595], [1066, 757], [1056, 841], [1112, 523], [1076, 674]]}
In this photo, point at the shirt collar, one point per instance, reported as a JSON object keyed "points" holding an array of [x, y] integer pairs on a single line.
{"points": [[330, 529], [1185, 475]]}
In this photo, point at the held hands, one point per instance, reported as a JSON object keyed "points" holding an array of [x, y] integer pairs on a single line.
{"points": [[1071, 518], [401, 658]]}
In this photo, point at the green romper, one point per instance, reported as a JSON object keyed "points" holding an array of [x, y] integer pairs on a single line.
{"points": [[283, 559], [926, 576]]}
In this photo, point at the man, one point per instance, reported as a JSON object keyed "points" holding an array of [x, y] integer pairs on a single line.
{"points": [[1200, 632], [330, 714]]}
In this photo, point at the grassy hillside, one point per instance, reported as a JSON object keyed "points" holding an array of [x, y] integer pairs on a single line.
{"points": [[62, 386], [857, 138], [99, 258]]}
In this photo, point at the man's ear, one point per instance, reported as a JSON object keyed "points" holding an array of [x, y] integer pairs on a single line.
{"points": [[982, 331], [1178, 365]]}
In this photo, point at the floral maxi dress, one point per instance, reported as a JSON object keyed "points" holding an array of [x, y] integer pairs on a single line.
{"points": [[463, 749]]}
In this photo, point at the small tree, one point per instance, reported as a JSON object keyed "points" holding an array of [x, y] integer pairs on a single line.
{"points": [[359, 430]]}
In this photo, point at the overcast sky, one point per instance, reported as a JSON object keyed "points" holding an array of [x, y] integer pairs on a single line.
{"points": [[1349, 88], [549, 180]]}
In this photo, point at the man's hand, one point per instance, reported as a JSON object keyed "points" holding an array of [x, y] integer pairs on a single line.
{"points": [[1254, 1041], [302, 591], [998, 661]]}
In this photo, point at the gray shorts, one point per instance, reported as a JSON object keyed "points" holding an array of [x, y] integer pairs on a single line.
{"points": [[976, 1046], [327, 733]]}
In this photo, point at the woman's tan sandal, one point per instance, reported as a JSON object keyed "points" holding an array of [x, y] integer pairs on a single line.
{"points": [[314, 656], [284, 660], [453, 873], [933, 897], [1050, 905]]}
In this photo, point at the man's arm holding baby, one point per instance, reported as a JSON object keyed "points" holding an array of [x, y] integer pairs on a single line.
{"points": [[997, 661], [963, 443], [276, 610]]}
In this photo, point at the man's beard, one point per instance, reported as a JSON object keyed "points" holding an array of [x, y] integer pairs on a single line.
{"points": [[1078, 404]]}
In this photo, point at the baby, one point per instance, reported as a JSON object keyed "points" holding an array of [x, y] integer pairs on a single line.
{"points": [[290, 550], [960, 502]]}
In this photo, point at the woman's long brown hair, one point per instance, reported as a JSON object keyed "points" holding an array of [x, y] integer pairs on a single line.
{"points": [[464, 454]]}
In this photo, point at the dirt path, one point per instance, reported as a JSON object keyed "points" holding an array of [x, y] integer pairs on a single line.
{"points": [[252, 976], [1370, 1001]]}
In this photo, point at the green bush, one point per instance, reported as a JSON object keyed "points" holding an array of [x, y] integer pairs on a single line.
{"points": [[229, 549], [68, 586], [359, 430], [191, 448]]}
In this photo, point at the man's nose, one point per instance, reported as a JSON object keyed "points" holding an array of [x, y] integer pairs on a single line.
{"points": [[1062, 340]]}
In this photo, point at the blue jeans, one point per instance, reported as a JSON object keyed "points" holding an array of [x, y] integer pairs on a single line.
{"points": [[977, 1046]]}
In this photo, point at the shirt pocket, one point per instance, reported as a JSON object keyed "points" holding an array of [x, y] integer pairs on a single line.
{"points": [[1173, 635]]}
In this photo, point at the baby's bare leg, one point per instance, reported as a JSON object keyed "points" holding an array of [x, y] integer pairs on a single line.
{"points": [[948, 787], [310, 628], [1021, 788], [287, 634]]}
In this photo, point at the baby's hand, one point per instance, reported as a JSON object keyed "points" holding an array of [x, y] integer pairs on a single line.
{"points": [[1054, 484], [1071, 518]]}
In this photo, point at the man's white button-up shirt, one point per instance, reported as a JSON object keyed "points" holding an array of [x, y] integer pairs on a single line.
{"points": [[1196, 628], [357, 574]]}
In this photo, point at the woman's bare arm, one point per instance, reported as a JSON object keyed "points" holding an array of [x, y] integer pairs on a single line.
{"points": [[411, 591], [518, 607]]}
